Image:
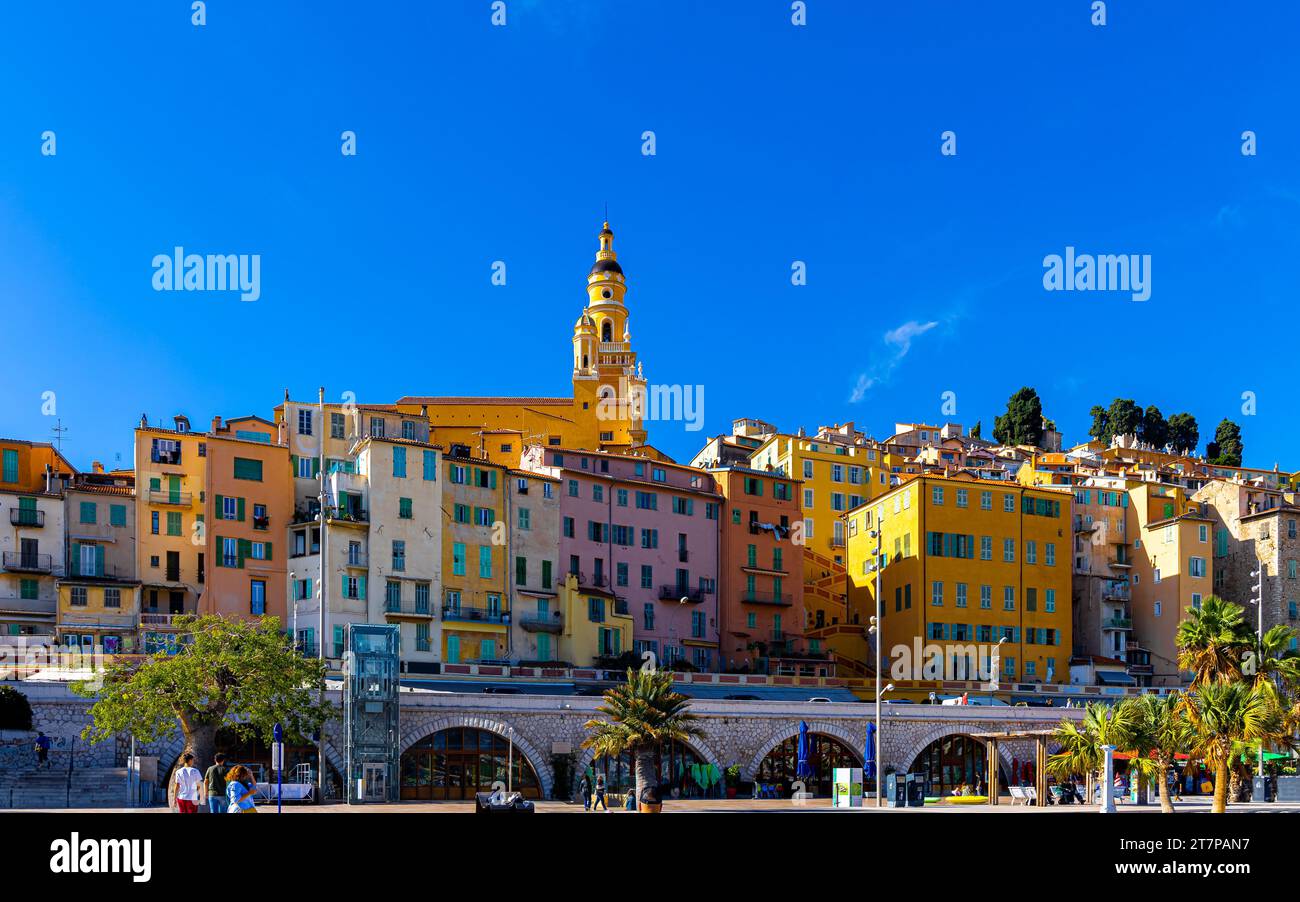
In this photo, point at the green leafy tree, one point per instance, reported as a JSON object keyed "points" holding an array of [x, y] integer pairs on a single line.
{"points": [[1226, 450], [1224, 716], [1153, 429], [976, 429], [639, 717], [1184, 434], [231, 673], [1100, 429], [1158, 732], [1124, 417], [1211, 640], [15, 710], [1022, 424]]}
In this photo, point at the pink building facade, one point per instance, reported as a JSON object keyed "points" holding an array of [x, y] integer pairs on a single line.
{"points": [[645, 534]]}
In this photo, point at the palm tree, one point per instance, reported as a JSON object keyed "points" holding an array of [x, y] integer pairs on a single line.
{"points": [[1211, 641], [1159, 732], [1224, 715], [640, 716], [1081, 744]]}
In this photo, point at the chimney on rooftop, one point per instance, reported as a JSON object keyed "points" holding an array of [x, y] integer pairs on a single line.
{"points": [[216, 425]]}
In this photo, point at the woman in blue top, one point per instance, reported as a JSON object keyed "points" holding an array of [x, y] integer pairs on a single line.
{"points": [[240, 788]]}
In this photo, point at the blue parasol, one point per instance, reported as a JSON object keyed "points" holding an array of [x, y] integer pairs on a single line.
{"points": [[869, 760], [803, 769]]}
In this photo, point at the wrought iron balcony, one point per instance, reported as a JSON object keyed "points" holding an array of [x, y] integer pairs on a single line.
{"points": [[1117, 623], [784, 599], [679, 593], [407, 608], [22, 517], [108, 571], [357, 559], [24, 562], [347, 514], [167, 497], [468, 614]]}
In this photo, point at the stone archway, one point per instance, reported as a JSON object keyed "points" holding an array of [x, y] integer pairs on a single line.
{"points": [[848, 740], [951, 729], [429, 724], [702, 751]]}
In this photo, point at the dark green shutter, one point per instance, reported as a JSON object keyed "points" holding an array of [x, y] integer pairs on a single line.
{"points": [[221, 508], [239, 509]]}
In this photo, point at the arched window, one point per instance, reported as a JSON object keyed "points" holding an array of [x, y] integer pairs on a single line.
{"points": [[781, 764], [606, 331], [460, 761], [952, 761]]}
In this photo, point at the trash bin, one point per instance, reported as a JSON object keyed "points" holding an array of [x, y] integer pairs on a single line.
{"points": [[896, 790], [915, 791]]}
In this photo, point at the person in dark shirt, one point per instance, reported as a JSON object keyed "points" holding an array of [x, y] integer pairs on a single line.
{"points": [[42, 750], [214, 782]]}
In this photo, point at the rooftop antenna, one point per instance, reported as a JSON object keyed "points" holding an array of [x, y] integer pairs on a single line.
{"points": [[58, 429]]}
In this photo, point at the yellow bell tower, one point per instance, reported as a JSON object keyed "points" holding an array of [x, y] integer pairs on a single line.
{"points": [[606, 375]]}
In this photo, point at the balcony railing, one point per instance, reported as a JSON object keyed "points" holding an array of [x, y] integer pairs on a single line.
{"points": [[777, 598], [1117, 623], [165, 496], [161, 619], [469, 614], [21, 517], [356, 559], [536, 623], [19, 605], [677, 593], [348, 514], [408, 607], [24, 562], [108, 571]]}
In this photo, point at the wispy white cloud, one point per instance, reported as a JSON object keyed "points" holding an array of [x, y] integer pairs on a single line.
{"points": [[898, 342]]}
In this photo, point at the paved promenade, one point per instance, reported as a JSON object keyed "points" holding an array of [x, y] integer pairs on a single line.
{"points": [[1199, 804]]}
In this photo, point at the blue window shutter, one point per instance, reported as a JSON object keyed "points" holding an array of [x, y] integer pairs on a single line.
{"points": [[361, 583]]}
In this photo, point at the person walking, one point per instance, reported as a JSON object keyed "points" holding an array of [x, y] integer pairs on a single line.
{"points": [[240, 788], [600, 793], [214, 785], [188, 783], [42, 750], [584, 790]]}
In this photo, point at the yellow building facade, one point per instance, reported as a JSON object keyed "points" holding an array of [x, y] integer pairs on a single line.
{"points": [[978, 570]]}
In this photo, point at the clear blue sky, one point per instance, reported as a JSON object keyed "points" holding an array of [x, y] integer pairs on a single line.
{"points": [[775, 143]]}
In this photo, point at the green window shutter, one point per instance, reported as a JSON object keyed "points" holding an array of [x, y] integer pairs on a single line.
{"points": [[221, 507], [345, 586], [268, 551], [315, 467], [155, 484], [76, 558], [293, 464], [361, 583], [239, 509], [99, 560], [492, 479], [244, 549]]}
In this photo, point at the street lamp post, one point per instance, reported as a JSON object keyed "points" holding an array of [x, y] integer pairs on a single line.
{"points": [[877, 630], [1258, 601]]}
